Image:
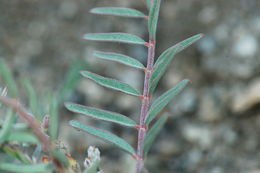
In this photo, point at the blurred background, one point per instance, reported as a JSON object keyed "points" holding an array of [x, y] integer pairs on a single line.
{"points": [[215, 122]]}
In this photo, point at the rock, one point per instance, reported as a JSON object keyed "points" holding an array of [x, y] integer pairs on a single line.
{"points": [[247, 97], [246, 45]]}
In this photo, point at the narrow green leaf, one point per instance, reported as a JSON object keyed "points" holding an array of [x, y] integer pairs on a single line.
{"points": [[165, 59], [8, 78], [71, 80], [111, 83], [61, 157], [101, 114], [7, 126], [54, 119], [33, 99], [118, 11], [148, 3], [153, 18], [123, 59], [163, 100], [115, 37], [104, 135], [22, 137], [153, 132], [16, 154], [39, 168]]}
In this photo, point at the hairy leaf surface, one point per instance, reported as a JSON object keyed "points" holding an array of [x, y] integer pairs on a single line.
{"points": [[101, 114], [118, 11], [165, 59], [163, 100], [104, 135], [115, 37], [111, 83], [119, 58]]}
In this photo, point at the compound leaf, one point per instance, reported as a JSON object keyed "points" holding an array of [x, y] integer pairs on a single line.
{"points": [[126, 60], [153, 132], [118, 11], [115, 37], [119, 142], [101, 114], [39, 168], [163, 100], [111, 83], [166, 57], [153, 18]]}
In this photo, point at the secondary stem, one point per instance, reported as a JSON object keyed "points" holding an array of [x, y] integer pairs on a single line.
{"points": [[145, 107]]}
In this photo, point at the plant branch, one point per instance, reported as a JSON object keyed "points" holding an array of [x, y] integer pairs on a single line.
{"points": [[145, 107], [32, 122]]}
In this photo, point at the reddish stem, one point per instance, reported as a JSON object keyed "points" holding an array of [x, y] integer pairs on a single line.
{"points": [[32, 122], [145, 107]]}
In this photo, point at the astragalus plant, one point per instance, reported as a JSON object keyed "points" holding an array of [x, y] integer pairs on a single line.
{"points": [[153, 72]]}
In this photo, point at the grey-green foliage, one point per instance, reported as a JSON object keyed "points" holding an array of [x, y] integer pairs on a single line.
{"points": [[158, 71], [14, 159]]}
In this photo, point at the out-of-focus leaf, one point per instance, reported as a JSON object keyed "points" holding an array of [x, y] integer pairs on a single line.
{"points": [[119, 58], [115, 37], [165, 59], [148, 3], [71, 80], [153, 132], [101, 114], [7, 126], [8, 78], [60, 157], [111, 83], [54, 119], [104, 135], [17, 154], [33, 99], [22, 137], [153, 18], [39, 168], [117, 11], [163, 100]]}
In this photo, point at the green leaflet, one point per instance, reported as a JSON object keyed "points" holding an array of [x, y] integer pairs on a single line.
{"points": [[163, 100], [119, 58], [117, 11], [16, 154], [7, 126], [105, 136], [54, 118], [101, 114], [22, 137], [166, 57], [115, 37], [39, 168], [71, 80], [61, 157], [111, 83], [8, 78], [148, 3], [153, 132], [153, 18], [33, 99]]}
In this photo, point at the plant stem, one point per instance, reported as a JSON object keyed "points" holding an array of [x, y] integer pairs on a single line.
{"points": [[145, 107]]}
